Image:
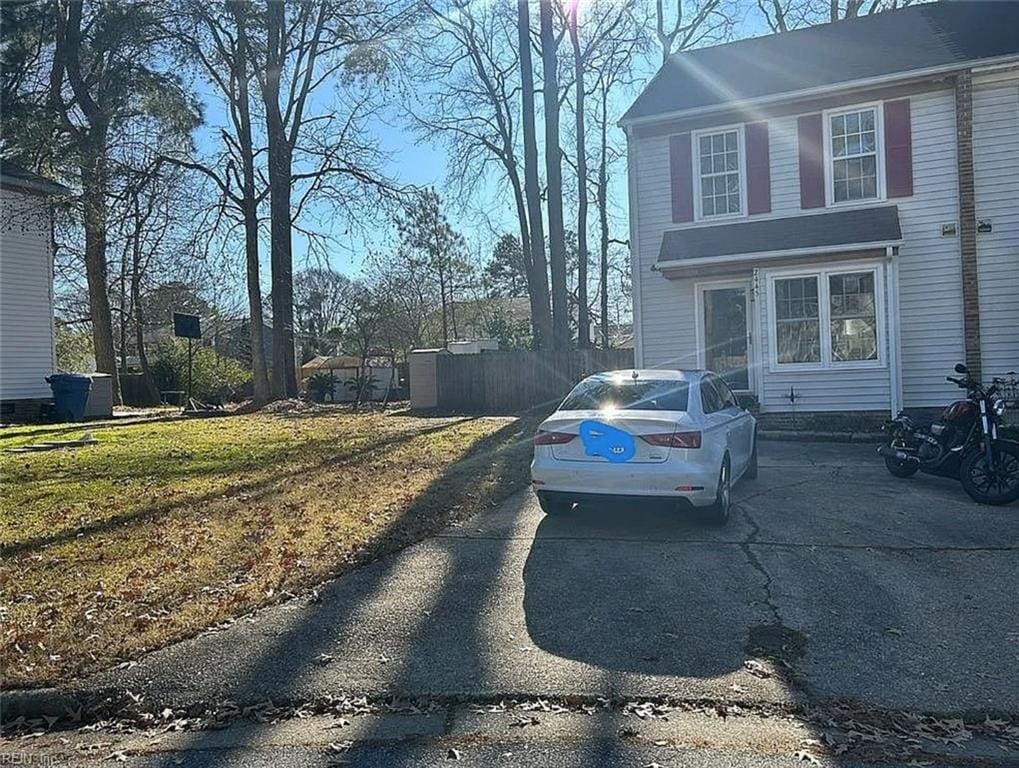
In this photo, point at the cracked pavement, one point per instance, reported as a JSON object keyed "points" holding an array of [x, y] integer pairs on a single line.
{"points": [[833, 582]]}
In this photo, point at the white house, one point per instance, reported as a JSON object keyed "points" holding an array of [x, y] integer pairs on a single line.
{"points": [[27, 354], [830, 217]]}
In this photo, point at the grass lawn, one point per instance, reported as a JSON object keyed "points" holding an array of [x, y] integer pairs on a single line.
{"points": [[163, 529]]}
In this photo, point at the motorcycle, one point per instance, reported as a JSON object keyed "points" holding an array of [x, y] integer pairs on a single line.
{"points": [[962, 443]]}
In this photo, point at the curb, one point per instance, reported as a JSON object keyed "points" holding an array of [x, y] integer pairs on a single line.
{"points": [[37, 703], [821, 437]]}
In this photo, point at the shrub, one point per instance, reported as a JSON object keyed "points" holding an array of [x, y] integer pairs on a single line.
{"points": [[321, 386], [214, 377]]}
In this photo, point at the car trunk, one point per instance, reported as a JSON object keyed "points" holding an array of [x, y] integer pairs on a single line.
{"points": [[634, 423]]}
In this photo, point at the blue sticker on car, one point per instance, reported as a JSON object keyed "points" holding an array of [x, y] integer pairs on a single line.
{"points": [[606, 441]]}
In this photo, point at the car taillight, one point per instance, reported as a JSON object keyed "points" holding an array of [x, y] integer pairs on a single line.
{"points": [[675, 439], [552, 438]]}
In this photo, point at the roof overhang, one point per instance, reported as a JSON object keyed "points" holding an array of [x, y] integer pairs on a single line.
{"points": [[820, 234]]}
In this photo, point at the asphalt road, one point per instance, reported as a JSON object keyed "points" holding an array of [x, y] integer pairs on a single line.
{"points": [[833, 582]]}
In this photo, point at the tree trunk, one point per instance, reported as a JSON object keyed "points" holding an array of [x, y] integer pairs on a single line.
{"points": [[583, 318], [93, 175], [284, 373], [541, 316], [603, 222], [260, 380], [149, 381], [554, 179]]}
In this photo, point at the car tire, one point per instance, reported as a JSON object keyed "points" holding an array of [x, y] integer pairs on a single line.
{"points": [[553, 505], [751, 473], [719, 512]]}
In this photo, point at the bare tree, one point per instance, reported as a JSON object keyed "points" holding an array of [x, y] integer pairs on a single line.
{"points": [[536, 246], [101, 77], [308, 44], [785, 15], [554, 175], [216, 36], [467, 59], [690, 23]]}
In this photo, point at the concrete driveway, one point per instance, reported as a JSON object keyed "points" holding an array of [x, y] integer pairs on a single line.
{"points": [[834, 581]]}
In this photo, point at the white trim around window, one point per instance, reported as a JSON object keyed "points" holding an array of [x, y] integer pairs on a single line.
{"points": [[879, 146], [695, 138], [827, 363]]}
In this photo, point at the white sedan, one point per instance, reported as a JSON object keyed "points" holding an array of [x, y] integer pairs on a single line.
{"points": [[645, 433]]}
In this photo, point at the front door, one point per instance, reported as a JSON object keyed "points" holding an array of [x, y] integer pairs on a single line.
{"points": [[725, 332]]}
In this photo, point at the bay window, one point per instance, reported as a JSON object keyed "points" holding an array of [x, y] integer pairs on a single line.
{"points": [[826, 319]]}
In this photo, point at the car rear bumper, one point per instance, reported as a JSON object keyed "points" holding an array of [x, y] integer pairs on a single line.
{"points": [[596, 479]]}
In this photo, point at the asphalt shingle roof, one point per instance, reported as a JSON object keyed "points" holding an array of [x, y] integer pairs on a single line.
{"points": [[821, 230], [16, 177], [911, 39]]}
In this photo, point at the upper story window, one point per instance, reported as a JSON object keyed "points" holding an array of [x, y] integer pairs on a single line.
{"points": [[853, 153], [720, 171]]}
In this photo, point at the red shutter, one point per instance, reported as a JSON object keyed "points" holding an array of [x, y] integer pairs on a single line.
{"points": [[898, 149], [758, 168], [811, 161], [681, 167]]}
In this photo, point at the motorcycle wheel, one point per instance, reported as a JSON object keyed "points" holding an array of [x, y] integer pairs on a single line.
{"points": [[1000, 486], [901, 468]]}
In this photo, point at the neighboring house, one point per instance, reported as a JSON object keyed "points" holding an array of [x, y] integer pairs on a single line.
{"points": [[830, 217], [345, 370], [27, 352]]}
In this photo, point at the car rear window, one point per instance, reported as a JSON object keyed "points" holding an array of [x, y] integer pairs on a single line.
{"points": [[628, 395]]}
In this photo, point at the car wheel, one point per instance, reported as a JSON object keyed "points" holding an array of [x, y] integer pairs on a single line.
{"points": [[718, 513], [751, 473], [553, 505]]}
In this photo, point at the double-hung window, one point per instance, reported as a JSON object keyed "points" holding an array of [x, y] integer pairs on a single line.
{"points": [[826, 319], [720, 173], [853, 150]]}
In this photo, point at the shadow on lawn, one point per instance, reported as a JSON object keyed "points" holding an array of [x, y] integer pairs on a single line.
{"points": [[704, 605], [353, 453]]}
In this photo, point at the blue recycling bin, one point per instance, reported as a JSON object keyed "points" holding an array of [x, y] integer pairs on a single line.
{"points": [[70, 395]]}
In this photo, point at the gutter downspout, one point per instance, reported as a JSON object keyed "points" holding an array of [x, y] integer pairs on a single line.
{"points": [[895, 335]]}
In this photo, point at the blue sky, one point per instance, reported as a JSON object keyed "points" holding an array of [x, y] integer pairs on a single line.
{"points": [[413, 161]]}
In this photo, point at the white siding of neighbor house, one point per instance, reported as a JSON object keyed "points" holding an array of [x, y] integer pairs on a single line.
{"points": [[996, 169], [929, 272], [26, 296]]}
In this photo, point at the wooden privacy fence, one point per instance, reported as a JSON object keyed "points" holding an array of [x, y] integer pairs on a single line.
{"points": [[510, 381]]}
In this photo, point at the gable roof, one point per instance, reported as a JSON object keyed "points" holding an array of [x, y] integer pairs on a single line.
{"points": [[913, 39], [13, 176]]}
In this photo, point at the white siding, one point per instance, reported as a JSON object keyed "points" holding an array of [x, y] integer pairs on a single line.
{"points": [[26, 296], [996, 168], [930, 266], [930, 295]]}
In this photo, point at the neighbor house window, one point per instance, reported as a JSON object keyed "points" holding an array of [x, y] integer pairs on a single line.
{"points": [[853, 316], [719, 162], [797, 320], [827, 319], [854, 155]]}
